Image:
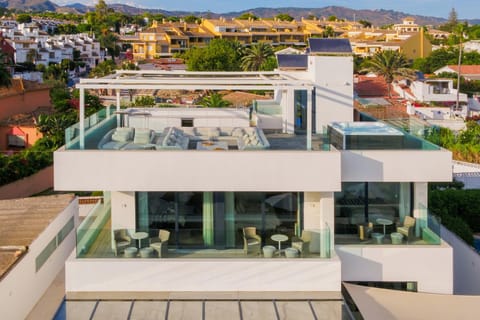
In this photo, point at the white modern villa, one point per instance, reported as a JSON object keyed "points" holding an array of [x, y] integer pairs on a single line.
{"points": [[295, 194]]}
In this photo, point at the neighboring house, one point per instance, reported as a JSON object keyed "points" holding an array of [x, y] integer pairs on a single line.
{"points": [[211, 202], [408, 25], [36, 237], [436, 90], [469, 72], [32, 44], [23, 97], [471, 46], [20, 130], [414, 44], [7, 50]]}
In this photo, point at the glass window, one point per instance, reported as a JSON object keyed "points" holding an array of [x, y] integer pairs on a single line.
{"points": [[217, 219], [362, 203]]}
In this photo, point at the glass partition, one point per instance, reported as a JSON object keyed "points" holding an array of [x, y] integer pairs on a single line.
{"points": [[382, 213], [206, 225]]}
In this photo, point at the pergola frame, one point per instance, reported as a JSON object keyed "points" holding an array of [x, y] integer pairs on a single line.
{"points": [[184, 80]]}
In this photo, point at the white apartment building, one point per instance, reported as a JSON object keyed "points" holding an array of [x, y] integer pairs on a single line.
{"points": [[294, 196], [33, 44]]}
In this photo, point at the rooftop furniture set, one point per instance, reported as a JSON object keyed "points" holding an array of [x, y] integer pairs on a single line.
{"points": [[123, 244], [406, 230], [248, 138], [126, 138], [252, 244]]}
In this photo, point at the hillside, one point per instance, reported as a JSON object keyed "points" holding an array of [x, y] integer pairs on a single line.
{"points": [[377, 17], [33, 5]]}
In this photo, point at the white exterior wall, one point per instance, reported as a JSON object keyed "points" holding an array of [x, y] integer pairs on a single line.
{"points": [[396, 165], [150, 170], [466, 265], [333, 78], [21, 289], [202, 275], [430, 266], [123, 210], [423, 92]]}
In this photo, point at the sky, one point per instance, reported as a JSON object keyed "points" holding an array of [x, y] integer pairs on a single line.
{"points": [[466, 9]]}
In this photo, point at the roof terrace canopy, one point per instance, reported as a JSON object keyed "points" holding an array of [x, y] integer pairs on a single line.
{"points": [[185, 80], [165, 80]]}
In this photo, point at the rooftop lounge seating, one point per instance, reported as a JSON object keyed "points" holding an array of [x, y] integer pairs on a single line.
{"points": [[248, 138], [125, 138]]}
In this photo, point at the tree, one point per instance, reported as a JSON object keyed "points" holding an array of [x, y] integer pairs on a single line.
{"points": [[452, 21], [214, 100], [144, 101], [284, 17], [365, 23], [247, 16], [109, 41], [256, 56], [32, 56], [191, 19], [328, 32], [103, 69], [219, 55], [389, 63], [24, 18], [332, 18], [5, 75]]}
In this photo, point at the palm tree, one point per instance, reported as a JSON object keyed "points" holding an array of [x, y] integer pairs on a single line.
{"points": [[5, 75], [389, 64], [256, 56], [214, 100]]}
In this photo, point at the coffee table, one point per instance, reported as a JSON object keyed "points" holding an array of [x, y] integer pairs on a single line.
{"points": [[139, 236], [279, 238], [212, 145]]}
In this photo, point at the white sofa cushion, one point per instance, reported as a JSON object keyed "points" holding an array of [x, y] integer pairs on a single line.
{"points": [[142, 136]]}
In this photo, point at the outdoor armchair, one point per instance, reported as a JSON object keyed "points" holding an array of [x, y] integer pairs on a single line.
{"points": [[160, 243], [251, 240], [408, 228], [302, 244], [121, 240]]}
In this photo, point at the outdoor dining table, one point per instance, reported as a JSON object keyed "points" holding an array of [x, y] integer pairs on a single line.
{"points": [[279, 238], [139, 236]]}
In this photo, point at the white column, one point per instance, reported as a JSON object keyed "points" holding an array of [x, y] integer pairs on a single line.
{"points": [[118, 107], [309, 119], [420, 205], [118, 99], [82, 119]]}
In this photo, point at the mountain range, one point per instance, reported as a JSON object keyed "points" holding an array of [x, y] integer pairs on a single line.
{"points": [[376, 17]]}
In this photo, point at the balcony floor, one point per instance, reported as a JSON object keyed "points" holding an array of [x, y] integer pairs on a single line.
{"points": [[101, 248]]}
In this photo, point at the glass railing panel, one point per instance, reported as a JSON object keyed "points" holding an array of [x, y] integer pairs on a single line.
{"points": [[91, 228], [94, 242], [426, 231], [103, 119]]}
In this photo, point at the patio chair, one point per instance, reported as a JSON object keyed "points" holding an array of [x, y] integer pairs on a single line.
{"points": [[408, 228], [302, 244], [121, 240], [160, 243], [252, 242], [365, 230]]}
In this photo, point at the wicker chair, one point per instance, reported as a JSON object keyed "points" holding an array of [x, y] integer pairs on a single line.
{"points": [[408, 228], [252, 242], [121, 240], [302, 244], [160, 243]]}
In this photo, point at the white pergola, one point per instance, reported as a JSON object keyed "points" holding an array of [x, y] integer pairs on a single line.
{"points": [[184, 80]]}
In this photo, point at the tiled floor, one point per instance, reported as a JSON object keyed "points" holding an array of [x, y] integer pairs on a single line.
{"points": [[206, 309]]}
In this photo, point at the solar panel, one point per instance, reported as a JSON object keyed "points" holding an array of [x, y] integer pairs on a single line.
{"points": [[297, 61], [327, 45]]}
